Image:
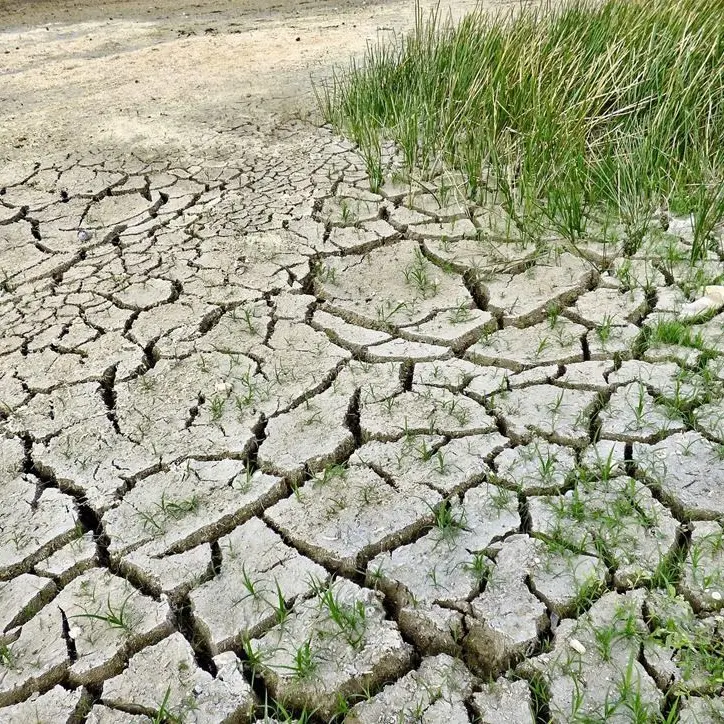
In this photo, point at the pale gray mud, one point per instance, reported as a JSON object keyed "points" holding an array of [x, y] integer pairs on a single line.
{"points": [[267, 436]]}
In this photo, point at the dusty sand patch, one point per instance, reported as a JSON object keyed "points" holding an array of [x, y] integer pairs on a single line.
{"points": [[122, 76]]}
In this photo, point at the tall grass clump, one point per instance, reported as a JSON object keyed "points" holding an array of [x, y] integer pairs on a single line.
{"points": [[563, 115]]}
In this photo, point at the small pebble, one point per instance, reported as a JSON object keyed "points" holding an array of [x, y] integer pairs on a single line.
{"points": [[84, 235], [577, 646]]}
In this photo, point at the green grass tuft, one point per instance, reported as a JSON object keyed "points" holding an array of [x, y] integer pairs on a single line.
{"points": [[565, 117]]}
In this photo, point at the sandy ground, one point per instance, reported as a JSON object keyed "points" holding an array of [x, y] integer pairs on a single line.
{"points": [[122, 76]]}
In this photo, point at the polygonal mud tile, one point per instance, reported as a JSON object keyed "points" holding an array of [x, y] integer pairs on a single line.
{"points": [[710, 419], [499, 230], [455, 374], [349, 211], [557, 414], [447, 467], [535, 468], [170, 574], [702, 582], [88, 182], [524, 298], [689, 274], [715, 369], [22, 597], [145, 294], [711, 333], [520, 349], [93, 461], [363, 238], [618, 519], [435, 692], [701, 710], [457, 328], [43, 371], [605, 343], [608, 307], [36, 525], [566, 581], [424, 410], [604, 459], [670, 299], [69, 561], [12, 394], [302, 362], [480, 255], [37, 661], [293, 307], [593, 669], [189, 504], [108, 621], [25, 263], [172, 328], [48, 414], [678, 353], [165, 677], [443, 203], [487, 382], [337, 643], [255, 260], [674, 467], [17, 171], [107, 316], [639, 272], [309, 437], [633, 415], [534, 376], [587, 375], [601, 247], [392, 285], [372, 382], [431, 580], [77, 334], [349, 336], [205, 404], [683, 652], [665, 379], [235, 332], [506, 620], [504, 702], [258, 572], [56, 705], [135, 184], [97, 621], [344, 517]]}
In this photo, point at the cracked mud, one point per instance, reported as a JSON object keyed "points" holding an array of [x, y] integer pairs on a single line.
{"points": [[265, 434]]}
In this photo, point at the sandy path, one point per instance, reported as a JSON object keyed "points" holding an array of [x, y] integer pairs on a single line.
{"points": [[121, 76]]}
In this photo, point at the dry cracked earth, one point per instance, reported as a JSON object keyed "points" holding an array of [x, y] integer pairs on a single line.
{"points": [[268, 436]]}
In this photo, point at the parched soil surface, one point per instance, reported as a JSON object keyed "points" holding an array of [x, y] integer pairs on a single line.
{"points": [[268, 436]]}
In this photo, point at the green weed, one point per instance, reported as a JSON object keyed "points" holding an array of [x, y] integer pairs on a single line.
{"points": [[562, 115]]}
